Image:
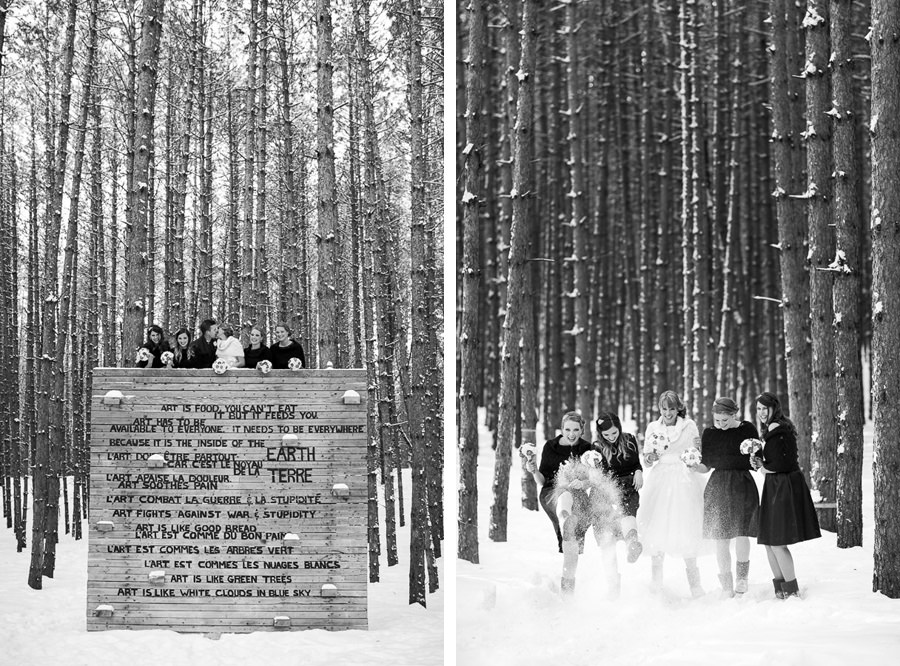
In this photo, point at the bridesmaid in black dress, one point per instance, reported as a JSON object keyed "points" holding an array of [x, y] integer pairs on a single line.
{"points": [[786, 514], [567, 508], [731, 500], [257, 350], [622, 461], [181, 351], [285, 348], [155, 345]]}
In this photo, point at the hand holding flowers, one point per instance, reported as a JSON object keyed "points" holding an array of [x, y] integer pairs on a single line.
{"points": [[750, 446], [691, 456]]}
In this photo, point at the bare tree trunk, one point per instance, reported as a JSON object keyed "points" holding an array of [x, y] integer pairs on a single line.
{"points": [[823, 472], [846, 289], [471, 276], [249, 312], [791, 234], [261, 272], [204, 242], [420, 533], [327, 199], [523, 221], [46, 462], [142, 141], [885, 133]]}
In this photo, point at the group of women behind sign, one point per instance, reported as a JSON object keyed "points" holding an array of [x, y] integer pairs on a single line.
{"points": [[678, 510], [217, 341]]}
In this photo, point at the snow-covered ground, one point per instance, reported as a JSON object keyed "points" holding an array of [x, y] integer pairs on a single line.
{"points": [[508, 612], [48, 626]]}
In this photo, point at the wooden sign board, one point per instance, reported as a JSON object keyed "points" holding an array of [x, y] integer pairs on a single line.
{"points": [[227, 503]]}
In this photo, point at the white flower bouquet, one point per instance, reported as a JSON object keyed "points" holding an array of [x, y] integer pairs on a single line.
{"points": [[528, 451], [264, 366], [294, 364], [143, 354], [750, 446], [592, 458], [166, 357], [658, 443], [220, 366], [691, 456]]}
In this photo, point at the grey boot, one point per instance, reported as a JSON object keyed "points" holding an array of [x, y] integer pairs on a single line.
{"points": [[742, 574], [656, 572], [727, 584], [567, 586], [777, 583], [693, 577], [633, 546], [790, 589]]}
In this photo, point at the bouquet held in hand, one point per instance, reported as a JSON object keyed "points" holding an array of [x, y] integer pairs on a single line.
{"points": [[751, 446], [691, 456]]}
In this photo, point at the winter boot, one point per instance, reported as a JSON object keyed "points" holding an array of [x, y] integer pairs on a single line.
{"points": [[790, 589], [656, 573], [567, 586], [777, 583], [727, 585], [633, 545], [614, 586], [742, 573], [693, 577]]}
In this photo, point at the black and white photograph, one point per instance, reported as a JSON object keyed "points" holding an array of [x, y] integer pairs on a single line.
{"points": [[678, 324], [221, 291]]}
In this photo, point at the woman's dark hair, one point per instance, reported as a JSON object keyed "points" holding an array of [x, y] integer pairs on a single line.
{"points": [[176, 348], [155, 329], [725, 406], [622, 445], [206, 324], [290, 331], [226, 329], [672, 399], [771, 401]]}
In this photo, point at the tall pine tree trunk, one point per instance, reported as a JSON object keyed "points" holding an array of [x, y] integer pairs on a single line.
{"points": [[792, 236], [821, 252], [138, 206], [47, 456], [327, 197], [471, 278], [885, 133], [847, 268]]}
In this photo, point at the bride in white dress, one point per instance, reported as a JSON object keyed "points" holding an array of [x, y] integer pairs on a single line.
{"points": [[670, 516]]}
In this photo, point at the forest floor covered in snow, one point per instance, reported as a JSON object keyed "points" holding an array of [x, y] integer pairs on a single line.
{"points": [[39, 627], [508, 610]]}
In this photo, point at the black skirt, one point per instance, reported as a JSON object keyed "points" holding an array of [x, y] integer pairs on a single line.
{"points": [[787, 514], [630, 497], [730, 505]]}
